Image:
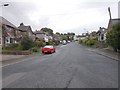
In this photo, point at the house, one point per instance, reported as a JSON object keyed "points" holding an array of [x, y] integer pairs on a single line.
{"points": [[0, 34], [76, 38], [8, 31], [41, 35], [93, 34], [112, 22], [25, 31], [103, 31], [102, 34], [56, 37]]}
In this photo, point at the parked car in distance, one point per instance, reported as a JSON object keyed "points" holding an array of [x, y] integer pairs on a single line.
{"points": [[64, 42], [48, 49], [69, 41]]}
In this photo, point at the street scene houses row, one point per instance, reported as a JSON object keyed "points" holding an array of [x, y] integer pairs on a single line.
{"points": [[12, 34], [101, 33]]}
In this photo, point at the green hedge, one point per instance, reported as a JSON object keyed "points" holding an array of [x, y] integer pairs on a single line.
{"points": [[35, 49], [88, 41]]}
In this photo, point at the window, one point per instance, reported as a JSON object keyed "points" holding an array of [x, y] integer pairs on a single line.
{"points": [[102, 36]]}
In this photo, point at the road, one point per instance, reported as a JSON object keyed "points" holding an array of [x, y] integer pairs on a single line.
{"points": [[72, 66]]}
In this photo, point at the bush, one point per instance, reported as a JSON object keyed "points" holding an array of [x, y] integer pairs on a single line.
{"points": [[113, 37], [39, 43], [56, 42], [13, 46], [50, 42], [88, 41], [91, 41], [26, 43], [35, 49]]}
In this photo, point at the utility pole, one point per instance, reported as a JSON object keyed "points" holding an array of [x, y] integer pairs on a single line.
{"points": [[109, 13]]}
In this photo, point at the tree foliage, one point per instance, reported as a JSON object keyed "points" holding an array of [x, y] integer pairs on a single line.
{"points": [[113, 37], [88, 41], [48, 30], [67, 36], [26, 43]]}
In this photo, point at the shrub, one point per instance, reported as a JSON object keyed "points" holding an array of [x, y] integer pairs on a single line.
{"points": [[91, 41], [113, 37], [56, 42], [35, 49], [50, 42], [13, 46], [80, 41], [26, 43], [39, 43], [88, 41]]}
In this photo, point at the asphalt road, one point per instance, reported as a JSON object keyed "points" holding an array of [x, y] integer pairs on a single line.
{"points": [[72, 66]]}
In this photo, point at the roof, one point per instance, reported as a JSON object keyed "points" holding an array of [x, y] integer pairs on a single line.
{"points": [[113, 21], [39, 32], [23, 28], [101, 30], [6, 22]]}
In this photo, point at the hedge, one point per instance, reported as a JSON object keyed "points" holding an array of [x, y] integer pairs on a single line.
{"points": [[88, 41]]}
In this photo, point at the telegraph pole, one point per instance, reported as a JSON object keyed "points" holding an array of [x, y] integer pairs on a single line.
{"points": [[109, 13]]}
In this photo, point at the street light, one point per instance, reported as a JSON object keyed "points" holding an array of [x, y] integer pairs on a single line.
{"points": [[4, 5]]}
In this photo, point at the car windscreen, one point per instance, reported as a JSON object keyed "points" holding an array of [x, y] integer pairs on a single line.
{"points": [[48, 47]]}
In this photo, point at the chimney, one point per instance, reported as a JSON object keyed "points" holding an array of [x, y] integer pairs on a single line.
{"points": [[21, 24]]}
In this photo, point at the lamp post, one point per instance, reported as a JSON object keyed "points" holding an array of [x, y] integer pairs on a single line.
{"points": [[109, 13], [4, 5]]}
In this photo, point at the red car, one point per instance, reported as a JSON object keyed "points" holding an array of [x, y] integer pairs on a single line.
{"points": [[48, 49]]}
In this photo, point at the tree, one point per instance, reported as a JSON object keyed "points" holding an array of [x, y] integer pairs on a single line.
{"points": [[113, 37], [48, 30], [58, 33], [26, 43]]}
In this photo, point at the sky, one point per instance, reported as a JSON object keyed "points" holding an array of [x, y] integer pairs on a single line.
{"points": [[78, 16]]}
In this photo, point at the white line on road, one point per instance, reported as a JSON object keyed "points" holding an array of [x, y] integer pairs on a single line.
{"points": [[14, 63], [22, 61]]}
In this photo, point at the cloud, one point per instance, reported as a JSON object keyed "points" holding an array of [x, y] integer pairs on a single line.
{"points": [[60, 15]]}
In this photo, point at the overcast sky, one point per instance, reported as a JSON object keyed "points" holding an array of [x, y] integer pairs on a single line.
{"points": [[62, 16]]}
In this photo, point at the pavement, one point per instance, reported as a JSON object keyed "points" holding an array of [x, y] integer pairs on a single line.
{"points": [[72, 66], [11, 57], [107, 53]]}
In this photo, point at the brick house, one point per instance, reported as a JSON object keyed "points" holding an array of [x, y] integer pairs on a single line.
{"points": [[25, 31], [42, 35], [8, 32]]}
